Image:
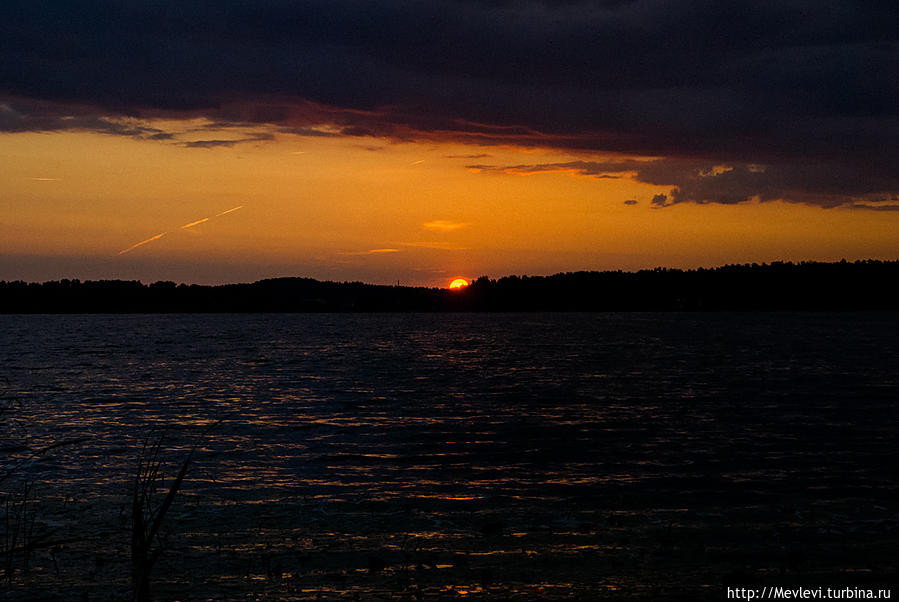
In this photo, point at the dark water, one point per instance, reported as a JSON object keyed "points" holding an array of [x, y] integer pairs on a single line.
{"points": [[450, 456]]}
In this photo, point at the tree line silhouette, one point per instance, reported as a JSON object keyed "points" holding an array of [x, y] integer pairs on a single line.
{"points": [[858, 285]]}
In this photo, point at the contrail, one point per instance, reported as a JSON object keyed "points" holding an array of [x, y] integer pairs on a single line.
{"points": [[143, 242], [190, 225], [229, 211], [184, 227]]}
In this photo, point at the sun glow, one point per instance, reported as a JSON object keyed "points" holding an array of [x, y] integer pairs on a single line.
{"points": [[458, 283]]}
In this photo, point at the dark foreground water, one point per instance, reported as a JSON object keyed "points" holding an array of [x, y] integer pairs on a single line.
{"points": [[518, 456]]}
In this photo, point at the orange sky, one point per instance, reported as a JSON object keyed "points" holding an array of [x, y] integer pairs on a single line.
{"points": [[417, 142], [354, 208]]}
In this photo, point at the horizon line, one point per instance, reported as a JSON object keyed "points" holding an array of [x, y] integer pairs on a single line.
{"points": [[472, 280]]}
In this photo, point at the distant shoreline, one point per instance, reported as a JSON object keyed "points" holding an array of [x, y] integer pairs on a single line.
{"points": [[778, 286]]}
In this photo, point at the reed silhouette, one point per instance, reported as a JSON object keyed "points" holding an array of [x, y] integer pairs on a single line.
{"points": [[148, 511], [147, 515]]}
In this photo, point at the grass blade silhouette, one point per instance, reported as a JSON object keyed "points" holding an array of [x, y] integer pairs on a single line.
{"points": [[147, 520]]}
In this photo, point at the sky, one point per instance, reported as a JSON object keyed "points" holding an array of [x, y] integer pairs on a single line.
{"points": [[417, 142]]}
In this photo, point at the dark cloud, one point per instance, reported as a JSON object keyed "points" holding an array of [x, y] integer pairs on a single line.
{"points": [[659, 200], [885, 207], [631, 202], [23, 116], [828, 184], [226, 142], [785, 84], [308, 131]]}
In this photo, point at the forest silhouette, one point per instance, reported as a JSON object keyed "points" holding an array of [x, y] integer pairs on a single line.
{"points": [[778, 286]]}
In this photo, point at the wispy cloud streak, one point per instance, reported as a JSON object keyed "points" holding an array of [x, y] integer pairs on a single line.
{"points": [[370, 252], [443, 246], [443, 225]]}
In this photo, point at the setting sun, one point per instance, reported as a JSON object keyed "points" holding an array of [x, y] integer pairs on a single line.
{"points": [[458, 283]]}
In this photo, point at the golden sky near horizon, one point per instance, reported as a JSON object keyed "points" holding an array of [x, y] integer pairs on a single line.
{"points": [[363, 208]]}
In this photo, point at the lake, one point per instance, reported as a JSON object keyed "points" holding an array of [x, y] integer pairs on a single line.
{"points": [[451, 456]]}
